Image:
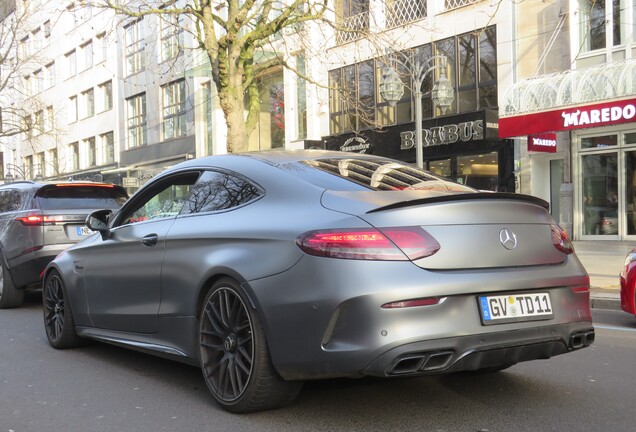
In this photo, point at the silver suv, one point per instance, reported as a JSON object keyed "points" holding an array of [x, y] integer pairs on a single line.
{"points": [[38, 221]]}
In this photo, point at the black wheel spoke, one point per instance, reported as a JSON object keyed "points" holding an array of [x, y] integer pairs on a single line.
{"points": [[226, 344], [54, 308]]}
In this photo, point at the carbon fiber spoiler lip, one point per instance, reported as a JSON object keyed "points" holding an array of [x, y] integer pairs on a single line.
{"points": [[464, 197]]}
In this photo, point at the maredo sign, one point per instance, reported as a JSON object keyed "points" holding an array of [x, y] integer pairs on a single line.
{"points": [[603, 114], [545, 143]]}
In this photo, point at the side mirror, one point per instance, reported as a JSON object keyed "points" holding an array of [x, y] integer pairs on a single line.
{"points": [[98, 221]]}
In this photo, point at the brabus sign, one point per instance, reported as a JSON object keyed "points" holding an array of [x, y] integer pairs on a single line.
{"points": [[602, 114]]}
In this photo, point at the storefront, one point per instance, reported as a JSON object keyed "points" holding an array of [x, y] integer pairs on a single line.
{"points": [[462, 147], [600, 142]]}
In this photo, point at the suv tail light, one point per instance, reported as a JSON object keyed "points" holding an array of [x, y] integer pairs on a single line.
{"points": [[386, 244], [31, 220], [560, 240], [38, 220]]}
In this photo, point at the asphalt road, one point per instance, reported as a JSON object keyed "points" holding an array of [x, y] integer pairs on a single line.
{"points": [[105, 388]]}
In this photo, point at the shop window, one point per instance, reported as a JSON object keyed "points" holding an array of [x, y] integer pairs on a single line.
{"points": [[480, 171], [440, 167], [270, 130], [301, 99], [630, 191], [600, 194], [599, 141]]}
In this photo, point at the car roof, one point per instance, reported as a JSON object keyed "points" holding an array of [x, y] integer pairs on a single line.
{"points": [[36, 185], [274, 157]]}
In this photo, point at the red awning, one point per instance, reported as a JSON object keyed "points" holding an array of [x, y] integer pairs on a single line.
{"points": [[563, 119]]}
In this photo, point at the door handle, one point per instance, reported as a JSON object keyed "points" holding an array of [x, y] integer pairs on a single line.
{"points": [[150, 240]]}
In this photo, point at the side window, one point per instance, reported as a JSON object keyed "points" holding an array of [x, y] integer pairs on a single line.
{"points": [[219, 191], [9, 200], [166, 201]]}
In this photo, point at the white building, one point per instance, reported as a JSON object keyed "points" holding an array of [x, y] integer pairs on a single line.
{"points": [[585, 101]]}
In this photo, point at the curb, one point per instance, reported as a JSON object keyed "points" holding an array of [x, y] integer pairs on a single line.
{"points": [[608, 297]]}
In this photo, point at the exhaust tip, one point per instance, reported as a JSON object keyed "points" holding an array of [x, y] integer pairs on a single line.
{"points": [[421, 362]]}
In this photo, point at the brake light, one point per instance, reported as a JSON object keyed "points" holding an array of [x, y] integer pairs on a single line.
{"points": [[103, 185], [386, 244], [560, 240], [38, 219], [31, 220]]}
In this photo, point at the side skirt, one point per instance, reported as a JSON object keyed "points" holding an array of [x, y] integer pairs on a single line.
{"points": [[176, 339]]}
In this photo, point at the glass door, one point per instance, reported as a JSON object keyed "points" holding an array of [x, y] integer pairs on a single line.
{"points": [[599, 175]]}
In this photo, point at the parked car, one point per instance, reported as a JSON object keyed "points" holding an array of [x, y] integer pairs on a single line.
{"points": [[37, 221], [628, 283], [267, 269]]}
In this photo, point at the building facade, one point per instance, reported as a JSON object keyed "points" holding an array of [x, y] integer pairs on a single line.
{"points": [[543, 97], [459, 40], [583, 110]]}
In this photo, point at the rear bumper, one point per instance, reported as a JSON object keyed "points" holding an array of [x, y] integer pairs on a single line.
{"points": [[324, 317], [26, 269], [469, 353]]}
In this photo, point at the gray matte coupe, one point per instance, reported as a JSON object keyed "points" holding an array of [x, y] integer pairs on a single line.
{"points": [[269, 268]]}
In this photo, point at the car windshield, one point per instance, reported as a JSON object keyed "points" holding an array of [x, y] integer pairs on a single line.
{"points": [[80, 197], [352, 174]]}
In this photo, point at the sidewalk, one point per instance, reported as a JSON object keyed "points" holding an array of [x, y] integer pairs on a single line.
{"points": [[603, 261]]}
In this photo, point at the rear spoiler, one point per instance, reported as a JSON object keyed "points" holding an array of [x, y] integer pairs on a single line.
{"points": [[464, 197]]}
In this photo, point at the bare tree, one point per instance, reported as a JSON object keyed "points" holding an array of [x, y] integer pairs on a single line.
{"points": [[233, 34], [15, 117]]}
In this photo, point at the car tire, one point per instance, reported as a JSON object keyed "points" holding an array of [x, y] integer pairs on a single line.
{"points": [[58, 317], [10, 295], [234, 354]]}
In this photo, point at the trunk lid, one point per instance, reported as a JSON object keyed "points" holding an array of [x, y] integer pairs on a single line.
{"points": [[474, 230]]}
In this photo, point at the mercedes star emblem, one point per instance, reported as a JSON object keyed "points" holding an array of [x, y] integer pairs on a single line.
{"points": [[508, 239]]}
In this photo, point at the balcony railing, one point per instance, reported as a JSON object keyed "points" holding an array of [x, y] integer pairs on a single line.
{"points": [[401, 12], [456, 4], [352, 28]]}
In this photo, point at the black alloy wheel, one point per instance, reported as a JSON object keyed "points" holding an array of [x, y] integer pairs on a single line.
{"points": [[234, 356], [58, 319]]}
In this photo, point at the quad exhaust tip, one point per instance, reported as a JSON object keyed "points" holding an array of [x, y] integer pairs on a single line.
{"points": [[421, 362], [582, 339]]}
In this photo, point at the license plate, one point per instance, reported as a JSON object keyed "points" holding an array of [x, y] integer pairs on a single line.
{"points": [[515, 307], [84, 231]]}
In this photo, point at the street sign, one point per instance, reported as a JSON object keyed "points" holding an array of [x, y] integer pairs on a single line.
{"points": [[130, 182]]}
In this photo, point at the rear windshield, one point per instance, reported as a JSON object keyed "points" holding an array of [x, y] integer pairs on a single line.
{"points": [[80, 197], [353, 174]]}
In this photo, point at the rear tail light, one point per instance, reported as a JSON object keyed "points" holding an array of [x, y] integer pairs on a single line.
{"points": [[561, 241], [38, 220], [386, 244], [102, 185], [31, 220]]}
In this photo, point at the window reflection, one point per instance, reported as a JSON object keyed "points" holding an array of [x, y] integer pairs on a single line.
{"points": [[219, 191]]}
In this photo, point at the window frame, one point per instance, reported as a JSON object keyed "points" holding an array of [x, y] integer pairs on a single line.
{"points": [[173, 109], [134, 47], [136, 119]]}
